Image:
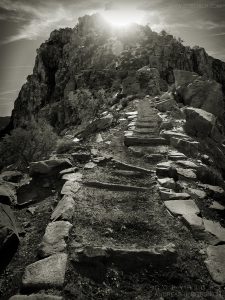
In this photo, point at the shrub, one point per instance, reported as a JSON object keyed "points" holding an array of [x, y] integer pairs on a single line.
{"points": [[65, 146], [24, 145]]}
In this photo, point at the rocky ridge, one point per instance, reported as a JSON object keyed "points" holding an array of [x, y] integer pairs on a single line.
{"points": [[79, 71]]}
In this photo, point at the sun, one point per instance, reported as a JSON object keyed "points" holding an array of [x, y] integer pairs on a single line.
{"points": [[120, 18]]}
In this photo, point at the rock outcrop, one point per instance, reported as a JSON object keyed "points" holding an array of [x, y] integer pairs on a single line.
{"points": [[78, 71]]}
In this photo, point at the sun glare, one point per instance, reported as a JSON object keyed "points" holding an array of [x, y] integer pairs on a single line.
{"points": [[120, 18]]}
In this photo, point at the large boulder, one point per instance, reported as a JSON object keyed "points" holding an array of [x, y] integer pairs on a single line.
{"points": [[202, 124], [196, 91], [45, 167], [9, 237]]}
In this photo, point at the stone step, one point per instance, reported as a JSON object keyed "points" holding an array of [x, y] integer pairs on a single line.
{"points": [[146, 131], [135, 141], [125, 166], [140, 124], [36, 297], [115, 186], [128, 259]]}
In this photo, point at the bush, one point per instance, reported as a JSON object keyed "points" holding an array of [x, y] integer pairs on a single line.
{"points": [[24, 145]]}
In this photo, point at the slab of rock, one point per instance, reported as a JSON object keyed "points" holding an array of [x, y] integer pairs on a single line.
{"points": [[213, 191], [8, 193], [131, 113], [129, 259], [73, 177], [49, 166], [215, 263], [174, 155], [182, 207], [216, 205], [54, 239], [215, 229], [187, 164], [90, 165], [168, 134], [185, 145], [36, 297], [166, 194], [64, 210], [187, 173], [46, 273], [114, 186], [167, 183], [70, 188], [197, 193], [69, 170], [124, 166], [188, 210], [166, 169]]}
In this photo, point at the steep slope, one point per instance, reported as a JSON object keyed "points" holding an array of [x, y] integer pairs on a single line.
{"points": [[79, 70]]}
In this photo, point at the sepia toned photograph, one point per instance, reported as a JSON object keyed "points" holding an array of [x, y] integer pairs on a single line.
{"points": [[112, 150]]}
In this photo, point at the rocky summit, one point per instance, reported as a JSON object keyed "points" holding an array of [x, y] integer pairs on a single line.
{"points": [[129, 202]]}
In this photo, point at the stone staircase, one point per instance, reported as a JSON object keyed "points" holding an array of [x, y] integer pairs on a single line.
{"points": [[119, 230]]}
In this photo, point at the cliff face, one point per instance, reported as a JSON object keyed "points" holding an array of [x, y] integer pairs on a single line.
{"points": [[77, 71]]}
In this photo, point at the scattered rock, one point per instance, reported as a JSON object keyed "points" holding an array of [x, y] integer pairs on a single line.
{"points": [[155, 157], [54, 239], [69, 170], [187, 164], [46, 273], [215, 263], [215, 229], [36, 297], [99, 138], [187, 173], [197, 192], [167, 183], [31, 209], [166, 194], [73, 177], [64, 210], [216, 205], [90, 165], [49, 166], [70, 188]]}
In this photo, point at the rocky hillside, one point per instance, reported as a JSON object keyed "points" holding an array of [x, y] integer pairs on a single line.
{"points": [[79, 71]]}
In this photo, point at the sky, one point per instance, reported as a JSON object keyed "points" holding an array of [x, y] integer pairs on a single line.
{"points": [[25, 24]]}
